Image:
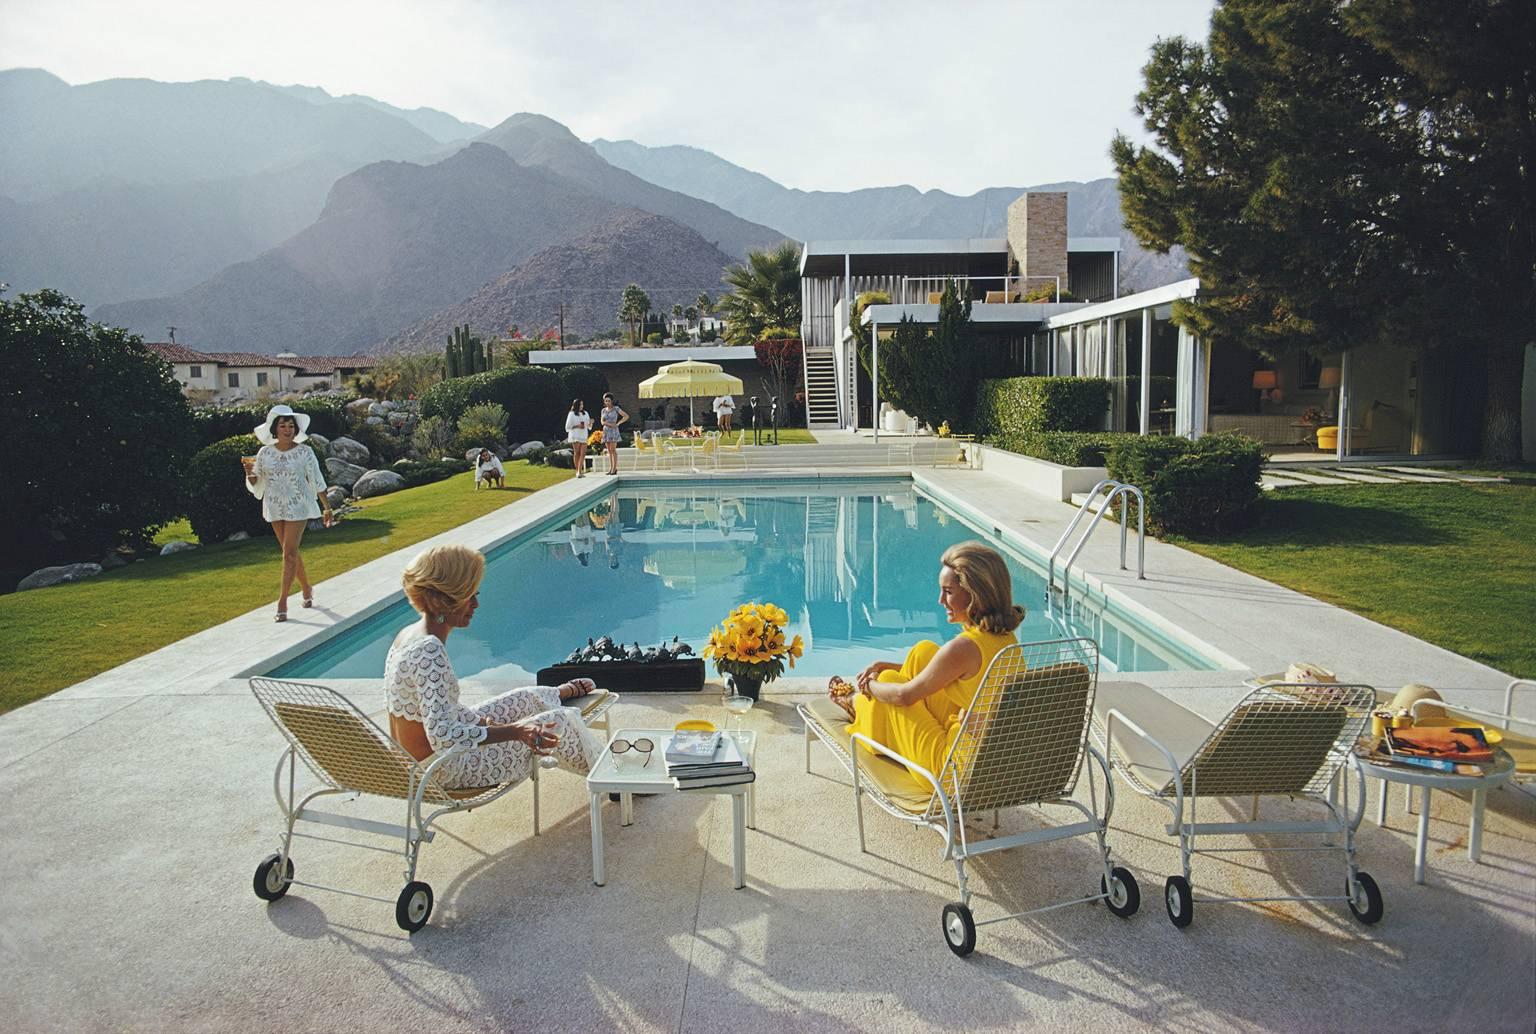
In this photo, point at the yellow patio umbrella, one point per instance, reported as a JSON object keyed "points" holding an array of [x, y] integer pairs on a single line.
{"points": [[690, 379]]}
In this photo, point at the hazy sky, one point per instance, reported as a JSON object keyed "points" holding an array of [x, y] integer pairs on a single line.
{"points": [[828, 95]]}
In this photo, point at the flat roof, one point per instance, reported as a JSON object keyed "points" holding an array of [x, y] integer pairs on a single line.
{"points": [[825, 258], [658, 355], [1010, 312], [1148, 299]]}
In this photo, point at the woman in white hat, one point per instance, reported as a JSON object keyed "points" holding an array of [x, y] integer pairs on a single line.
{"points": [[287, 480]]}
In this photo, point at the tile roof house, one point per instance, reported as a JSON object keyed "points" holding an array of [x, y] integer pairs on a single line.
{"points": [[238, 375]]}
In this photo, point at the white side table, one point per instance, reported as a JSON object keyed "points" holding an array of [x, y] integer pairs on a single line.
{"points": [[1429, 780], [627, 774]]}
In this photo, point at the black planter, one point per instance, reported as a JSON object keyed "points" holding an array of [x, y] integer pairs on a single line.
{"points": [[747, 687], [686, 676]]}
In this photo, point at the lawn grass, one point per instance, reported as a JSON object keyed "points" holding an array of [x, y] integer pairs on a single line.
{"points": [[55, 637], [1451, 564]]}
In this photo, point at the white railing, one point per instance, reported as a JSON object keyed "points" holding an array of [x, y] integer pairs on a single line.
{"points": [[1116, 489], [918, 288]]}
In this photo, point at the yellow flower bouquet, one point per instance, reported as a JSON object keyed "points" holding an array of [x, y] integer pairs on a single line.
{"points": [[750, 643], [595, 438]]}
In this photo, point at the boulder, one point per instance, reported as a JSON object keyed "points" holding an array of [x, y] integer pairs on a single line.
{"points": [[113, 560], [342, 473], [376, 409], [239, 536], [376, 421], [336, 496], [524, 449], [44, 577], [349, 449], [322, 443], [377, 482], [359, 406], [179, 546], [398, 419], [471, 455], [388, 406], [561, 458]]}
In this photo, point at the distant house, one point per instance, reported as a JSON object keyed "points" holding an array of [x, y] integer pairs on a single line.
{"points": [[231, 376]]}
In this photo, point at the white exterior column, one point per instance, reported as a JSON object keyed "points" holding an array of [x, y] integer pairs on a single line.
{"points": [[1146, 371], [1193, 385], [874, 376], [1342, 440]]}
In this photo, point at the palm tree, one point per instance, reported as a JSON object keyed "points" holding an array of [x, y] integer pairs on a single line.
{"points": [[766, 293], [633, 306]]}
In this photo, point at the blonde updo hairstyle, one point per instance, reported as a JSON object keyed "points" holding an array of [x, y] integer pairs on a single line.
{"points": [[982, 572], [442, 579]]}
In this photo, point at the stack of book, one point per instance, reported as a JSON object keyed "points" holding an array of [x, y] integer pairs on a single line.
{"points": [[696, 760], [1460, 751]]}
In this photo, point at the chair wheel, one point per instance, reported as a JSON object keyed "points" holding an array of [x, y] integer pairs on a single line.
{"points": [[268, 883], [959, 929], [1180, 901], [413, 906], [1123, 893], [1364, 898]]}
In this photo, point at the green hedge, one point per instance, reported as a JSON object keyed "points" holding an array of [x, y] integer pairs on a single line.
{"points": [[213, 488], [327, 416], [533, 397], [1026, 405], [425, 473], [1069, 448], [1193, 487], [584, 382]]}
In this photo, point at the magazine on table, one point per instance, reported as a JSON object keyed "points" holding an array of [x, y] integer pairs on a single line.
{"points": [[1462, 745], [724, 756], [717, 780]]}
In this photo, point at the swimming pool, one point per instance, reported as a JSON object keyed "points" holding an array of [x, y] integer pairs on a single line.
{"points": [[855, 567]]}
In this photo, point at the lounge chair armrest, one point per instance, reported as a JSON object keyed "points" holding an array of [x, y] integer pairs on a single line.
{"points": [[1507, 716], [912, 766], [1173, 763]]}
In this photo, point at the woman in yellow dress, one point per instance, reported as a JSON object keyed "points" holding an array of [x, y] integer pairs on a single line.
{"points": [[915, 707]]}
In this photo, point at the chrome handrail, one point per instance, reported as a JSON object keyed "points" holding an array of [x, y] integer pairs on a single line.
{"points": [[1116, 489]]}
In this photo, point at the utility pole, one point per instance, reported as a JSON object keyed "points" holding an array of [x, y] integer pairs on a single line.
{"points": [[562, 326]]}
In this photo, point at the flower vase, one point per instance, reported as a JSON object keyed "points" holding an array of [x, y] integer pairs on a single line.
{"points": [[746, 686]]}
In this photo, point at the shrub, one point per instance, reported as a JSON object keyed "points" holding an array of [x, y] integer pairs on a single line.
{"points": [[97, 433], [432, 438], [327, 416], [709, 335], [483, 426], [1046, 292], [385, 447], [654, 339], [1069, 448], [1193, 487], [531, 396], [584, 382], [1025, 405], [214, 495], [415, 474]]}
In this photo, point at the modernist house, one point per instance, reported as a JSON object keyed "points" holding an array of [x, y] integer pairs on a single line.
{"points": [[230, 376], [1401, 401]]}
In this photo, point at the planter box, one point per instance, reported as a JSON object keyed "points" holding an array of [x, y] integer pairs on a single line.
{"points": [[1042, 477], [685, 676]]}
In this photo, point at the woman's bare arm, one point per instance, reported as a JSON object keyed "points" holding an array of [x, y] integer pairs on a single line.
{"points": [[957, 659]]}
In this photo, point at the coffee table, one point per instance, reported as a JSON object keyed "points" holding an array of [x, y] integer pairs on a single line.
{"points": [[1429, 780], [627, 774]]}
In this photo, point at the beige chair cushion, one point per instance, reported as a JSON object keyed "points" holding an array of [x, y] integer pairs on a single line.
{"points": [[892, 780], [1177, 728]]}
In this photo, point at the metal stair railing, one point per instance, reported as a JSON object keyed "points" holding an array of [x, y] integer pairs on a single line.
{"points": [[1116, 490]]}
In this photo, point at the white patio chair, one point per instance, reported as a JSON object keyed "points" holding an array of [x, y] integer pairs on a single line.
{"points": [[1022, 744], [1288, 740], [735, 451], [350, 754]]}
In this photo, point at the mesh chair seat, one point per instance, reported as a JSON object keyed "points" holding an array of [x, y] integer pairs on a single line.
{"points": [[894, 783]]}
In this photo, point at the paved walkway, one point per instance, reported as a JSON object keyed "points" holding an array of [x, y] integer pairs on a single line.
{"points": [[1313, 474]]}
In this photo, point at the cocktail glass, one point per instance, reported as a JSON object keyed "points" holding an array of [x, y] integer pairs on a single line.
{"points": [[738, 704]]}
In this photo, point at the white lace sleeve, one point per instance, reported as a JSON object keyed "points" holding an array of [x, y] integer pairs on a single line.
{"points": [[316, 478], [447, 722], [259, 489]]}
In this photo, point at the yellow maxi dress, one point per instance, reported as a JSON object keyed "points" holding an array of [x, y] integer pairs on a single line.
{"points": [[924, 731]]}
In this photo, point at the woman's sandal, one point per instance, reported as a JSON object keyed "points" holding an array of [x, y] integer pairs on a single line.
{"points": [[840, 691], [281, 615], [309, 600], [577, 684]]}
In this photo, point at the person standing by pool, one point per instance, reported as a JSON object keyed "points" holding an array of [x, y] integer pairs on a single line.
{"points": [[425, 715], [725, 409], [612, 416], [287, 480], [577, 426], [915, 707]]}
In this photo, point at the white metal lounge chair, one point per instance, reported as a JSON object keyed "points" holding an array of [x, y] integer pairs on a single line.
{"points": [[350, 754], [1023, 743], [1285, 740]]}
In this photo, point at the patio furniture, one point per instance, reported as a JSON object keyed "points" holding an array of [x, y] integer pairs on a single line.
{"points": [[1284, 739], [350, 754], [734, 451], [1428, 780], [626, 776], [651, 448], [1022, 744]]}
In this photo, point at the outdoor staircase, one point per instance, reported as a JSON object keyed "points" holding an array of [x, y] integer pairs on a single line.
{"points": [[820, 389]]}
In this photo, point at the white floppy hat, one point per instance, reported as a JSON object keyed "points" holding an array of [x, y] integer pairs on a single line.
{"points": [[263, 430]]}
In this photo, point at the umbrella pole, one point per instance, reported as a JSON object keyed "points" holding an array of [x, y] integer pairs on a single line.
{"points": [[690, 411]]}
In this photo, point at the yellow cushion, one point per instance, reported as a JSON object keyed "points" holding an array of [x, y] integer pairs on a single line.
{"points": [[894, 782]]}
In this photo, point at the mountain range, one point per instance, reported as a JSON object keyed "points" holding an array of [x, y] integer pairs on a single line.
{"points": [[260, 217]]}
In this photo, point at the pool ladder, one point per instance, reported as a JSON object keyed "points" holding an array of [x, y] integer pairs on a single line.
{"points": [[1116, 489]]}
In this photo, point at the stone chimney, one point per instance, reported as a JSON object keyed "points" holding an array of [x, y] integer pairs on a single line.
{"points": [[1037, 237]]}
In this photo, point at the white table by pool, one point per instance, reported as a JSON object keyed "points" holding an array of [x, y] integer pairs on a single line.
{"points": [[1427, 779], [627, 774]]}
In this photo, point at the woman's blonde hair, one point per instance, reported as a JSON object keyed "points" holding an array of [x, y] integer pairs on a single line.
{"points": [[982, 572], [443, 578]]}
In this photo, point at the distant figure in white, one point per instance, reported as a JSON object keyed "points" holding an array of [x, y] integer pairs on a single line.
{"points": [[488, 471], [286, 478], [578, 427], [425, 715], [725, 409]]}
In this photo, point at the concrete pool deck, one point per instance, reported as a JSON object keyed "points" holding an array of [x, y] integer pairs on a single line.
{"points": [[138, 803]]}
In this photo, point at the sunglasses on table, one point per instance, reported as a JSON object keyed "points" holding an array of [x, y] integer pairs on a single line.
{"points": [[640, 746]]}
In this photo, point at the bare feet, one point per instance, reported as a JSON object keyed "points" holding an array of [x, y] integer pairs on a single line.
{"points": [[840, 692]]}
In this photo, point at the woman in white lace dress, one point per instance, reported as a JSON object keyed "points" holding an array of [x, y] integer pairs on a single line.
{"points": [[286, 478], [425, 714]]}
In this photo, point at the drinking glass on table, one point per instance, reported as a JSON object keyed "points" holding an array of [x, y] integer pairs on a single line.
{"points": [[738, 704]]}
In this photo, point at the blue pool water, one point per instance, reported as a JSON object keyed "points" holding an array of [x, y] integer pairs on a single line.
{"points": [[855, 567]]}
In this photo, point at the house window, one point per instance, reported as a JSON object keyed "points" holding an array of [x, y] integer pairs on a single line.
{"points": [[261, 380], [234, 380], [197, 373]]}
